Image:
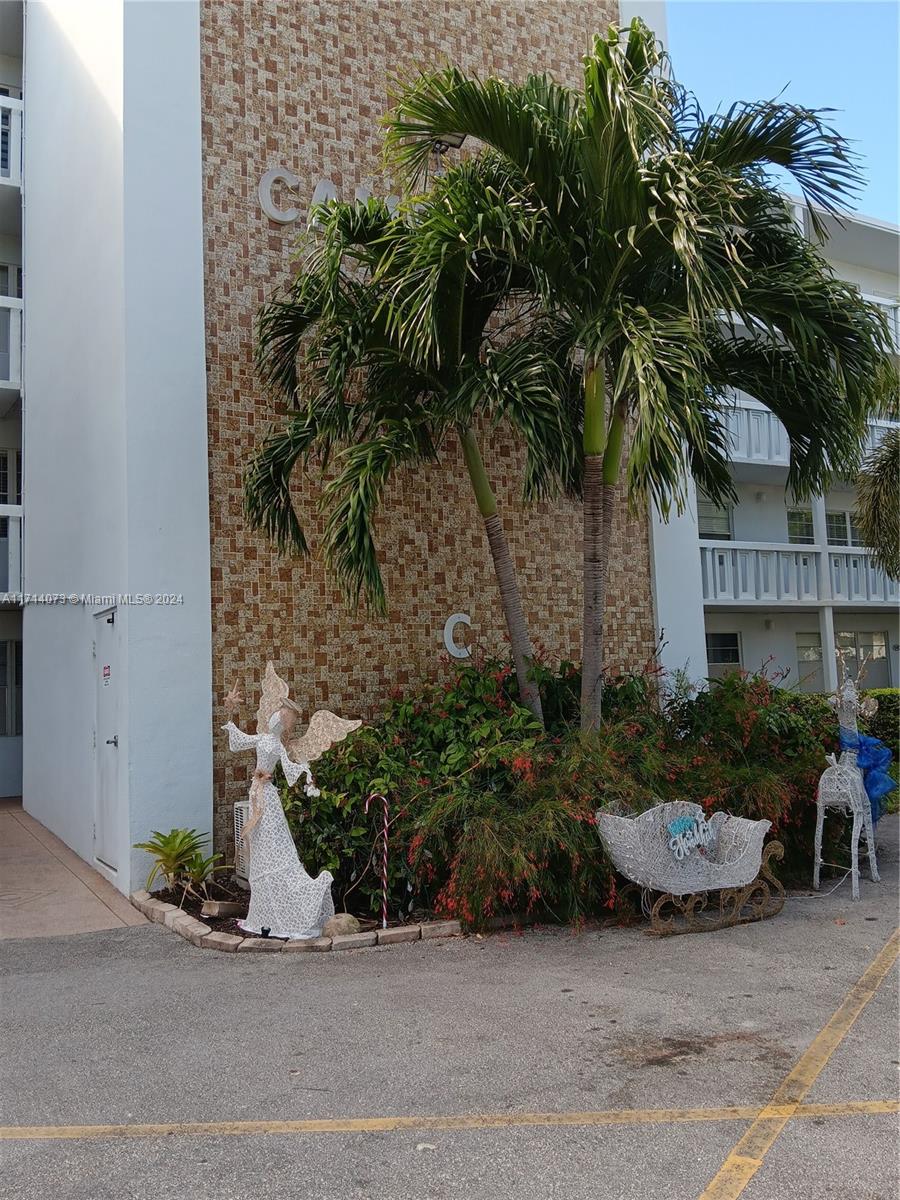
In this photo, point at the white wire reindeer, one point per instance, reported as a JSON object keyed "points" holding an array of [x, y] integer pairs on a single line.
{"points": [[841, 784]]}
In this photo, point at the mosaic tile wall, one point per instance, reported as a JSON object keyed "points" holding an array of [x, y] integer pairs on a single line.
{"points": [[301, 84]]}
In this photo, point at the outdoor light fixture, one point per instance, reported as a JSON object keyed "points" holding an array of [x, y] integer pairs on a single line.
{"points": [[448, 141]]}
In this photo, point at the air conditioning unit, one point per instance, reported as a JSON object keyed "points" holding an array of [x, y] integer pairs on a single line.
{"points": [[241, 849]]}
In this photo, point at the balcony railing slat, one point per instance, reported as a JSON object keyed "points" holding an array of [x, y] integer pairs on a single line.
{"points": [[736, 572]]}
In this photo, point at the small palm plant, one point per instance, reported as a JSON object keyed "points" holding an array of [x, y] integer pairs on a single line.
{"points": [[178, 857]]}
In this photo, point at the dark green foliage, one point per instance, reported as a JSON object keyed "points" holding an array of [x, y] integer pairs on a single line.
{"points": [[491, 815], [886, 722]]}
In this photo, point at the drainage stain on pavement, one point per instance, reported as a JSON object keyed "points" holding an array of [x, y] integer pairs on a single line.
{"points": [[670, 1051]]}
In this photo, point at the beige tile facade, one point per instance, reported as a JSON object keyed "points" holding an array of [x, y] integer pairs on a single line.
{"points": [[302, 84]]}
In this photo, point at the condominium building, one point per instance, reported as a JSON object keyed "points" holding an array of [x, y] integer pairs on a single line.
{"points": [[10, 398], [169, 157], [771, 581]]}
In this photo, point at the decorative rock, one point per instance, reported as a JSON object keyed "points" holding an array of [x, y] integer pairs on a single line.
{"points": [[174, 914], [354, 941], [220, 941], [140, 900], [435, 929], [340, 925], [224, 908], [400, 933], [253, 943], [319, 943]]}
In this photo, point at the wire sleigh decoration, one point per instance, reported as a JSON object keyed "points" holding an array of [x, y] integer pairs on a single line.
{"points": [[706, 874]]}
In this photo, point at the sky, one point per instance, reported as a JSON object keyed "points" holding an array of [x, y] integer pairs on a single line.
{"points": [[840, 54]]}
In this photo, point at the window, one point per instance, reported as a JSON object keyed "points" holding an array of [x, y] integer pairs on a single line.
{"points": [[841, 529], [800, 527], [11, 689], [856, 538], [809, 648], [860, 644], [836, 529], [810, 674], [714, 520], [723, 654], [873, 645]]}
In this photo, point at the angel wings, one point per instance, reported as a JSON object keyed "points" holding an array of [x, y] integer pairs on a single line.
{"points": [[325, 728]]}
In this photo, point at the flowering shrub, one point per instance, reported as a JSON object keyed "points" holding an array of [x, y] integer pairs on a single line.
{"points": [[491, 815]]}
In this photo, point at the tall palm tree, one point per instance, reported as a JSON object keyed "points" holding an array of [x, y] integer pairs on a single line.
{"points": [[878, 488], [658, 236], [362, 396]]}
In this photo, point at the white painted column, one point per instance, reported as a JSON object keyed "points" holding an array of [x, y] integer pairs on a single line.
{"points": [[826, 612], [829, 663], [678, 591]]}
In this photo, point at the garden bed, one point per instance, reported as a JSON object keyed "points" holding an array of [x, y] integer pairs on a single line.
{"points": [[224, 934]]}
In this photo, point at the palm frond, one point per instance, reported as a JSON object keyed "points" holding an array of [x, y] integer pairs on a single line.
{"points": [[351, 502], [750, 137], [268, 505], [878, 503]]}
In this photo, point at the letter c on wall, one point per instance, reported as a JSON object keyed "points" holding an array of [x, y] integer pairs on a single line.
{"points": [[283, 216], [449, 629]]}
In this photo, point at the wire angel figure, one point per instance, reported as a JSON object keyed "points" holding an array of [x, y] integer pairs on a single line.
{"points": [[283, 898]]}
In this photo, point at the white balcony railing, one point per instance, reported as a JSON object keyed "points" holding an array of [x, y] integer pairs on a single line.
{"points": [[11, 140], [856, 579], [10, 342], [10, 548], [763, 573], [754, 573], [755, 435]]}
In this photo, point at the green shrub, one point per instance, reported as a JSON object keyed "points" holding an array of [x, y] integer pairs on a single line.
{"points": [[886, 722], [491, 815]]}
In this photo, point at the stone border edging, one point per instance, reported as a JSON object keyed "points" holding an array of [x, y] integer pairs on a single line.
{"points": [[199, 934]]}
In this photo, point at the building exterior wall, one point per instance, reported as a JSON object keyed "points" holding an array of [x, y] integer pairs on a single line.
{"points": [[303, 86], [115, 421]]}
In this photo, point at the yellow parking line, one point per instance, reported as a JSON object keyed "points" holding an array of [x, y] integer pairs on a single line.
{"points": [[747, 1156], [628, 1116]]}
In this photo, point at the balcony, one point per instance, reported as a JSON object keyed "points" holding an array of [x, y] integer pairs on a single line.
{"points": [[756, 436], [11, 140], [10, 345], [855, 579], [10, 550], [757, 573], [760, 573], [758, 443]]}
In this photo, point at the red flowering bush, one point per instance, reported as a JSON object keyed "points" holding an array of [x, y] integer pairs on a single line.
{"points": [[491, 815]]}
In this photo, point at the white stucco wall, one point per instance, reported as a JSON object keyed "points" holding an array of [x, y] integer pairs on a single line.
{"points": [[115, 412], [678, 591], [167, 512], [74, 392]]}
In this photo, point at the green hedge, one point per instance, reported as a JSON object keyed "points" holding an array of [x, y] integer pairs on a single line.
{"points": [[492, 815], [886, 722]]}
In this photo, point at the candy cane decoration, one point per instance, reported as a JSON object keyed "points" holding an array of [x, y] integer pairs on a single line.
{"points": [[384, 857]]}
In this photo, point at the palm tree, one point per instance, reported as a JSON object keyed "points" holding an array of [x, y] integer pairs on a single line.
{"points": [[878, 488], [376, 404], [658, 236]]}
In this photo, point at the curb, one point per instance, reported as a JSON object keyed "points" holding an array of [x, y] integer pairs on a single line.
{"points": [[199, 934]]}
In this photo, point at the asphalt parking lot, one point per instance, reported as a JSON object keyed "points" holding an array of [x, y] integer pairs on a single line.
{"points": [[759, 1061]]}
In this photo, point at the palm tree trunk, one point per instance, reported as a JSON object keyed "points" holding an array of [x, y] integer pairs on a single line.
{"points": [[594, 560], [602, 459], [516, 624]]}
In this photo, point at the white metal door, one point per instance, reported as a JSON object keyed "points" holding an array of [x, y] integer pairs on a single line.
{"points": [[106, 740]]}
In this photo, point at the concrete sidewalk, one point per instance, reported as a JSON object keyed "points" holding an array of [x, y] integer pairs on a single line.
{"points": [[46, 889]]}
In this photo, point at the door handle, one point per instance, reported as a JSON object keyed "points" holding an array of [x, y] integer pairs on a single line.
{"points": [[113, 741]]}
